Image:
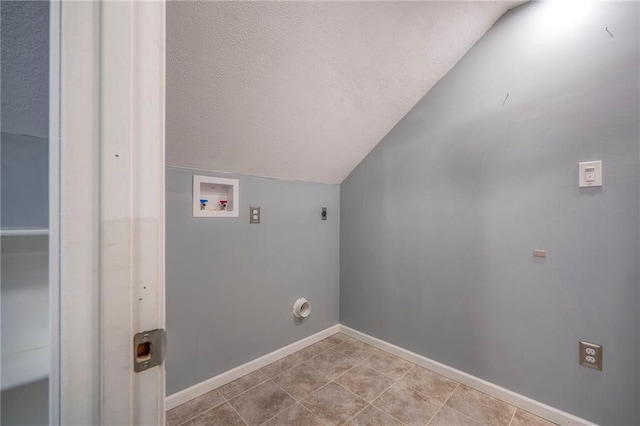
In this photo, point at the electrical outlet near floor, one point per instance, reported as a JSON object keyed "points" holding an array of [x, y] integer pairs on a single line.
{"points": [[591, 355]]}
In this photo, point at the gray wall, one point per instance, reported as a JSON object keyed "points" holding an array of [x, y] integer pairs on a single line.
{"points": [[439, 222], [231, 285]]}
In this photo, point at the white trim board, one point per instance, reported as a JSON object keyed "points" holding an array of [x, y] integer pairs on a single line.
{"points": [[208, 385], [539, 409]]}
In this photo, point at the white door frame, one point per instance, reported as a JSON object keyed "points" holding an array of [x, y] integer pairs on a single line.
{"points": [[107, 209]]}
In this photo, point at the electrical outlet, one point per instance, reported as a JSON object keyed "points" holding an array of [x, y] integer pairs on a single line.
{"points": [[254, 214], [591, 355]]}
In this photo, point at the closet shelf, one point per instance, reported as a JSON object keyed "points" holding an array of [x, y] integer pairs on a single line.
{"points": [[18, 232], [25, 367]]}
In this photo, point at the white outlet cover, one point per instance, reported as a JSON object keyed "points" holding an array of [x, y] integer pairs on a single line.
{"points": [[591, 169]]}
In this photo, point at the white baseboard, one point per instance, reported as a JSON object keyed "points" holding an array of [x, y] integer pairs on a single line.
{"points": [[201, 388], [539, 409]]}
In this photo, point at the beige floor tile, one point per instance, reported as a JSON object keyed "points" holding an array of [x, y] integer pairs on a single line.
{"points": [[315, 349], [338, 338], [222, 415], [294, 415], [301, 380], [429, 383], [371, 416], [407, 405], [522, 418], [363, 375], [261, 403], [244, 383], [448, 417], [480, 406], [331, 363], [389, 365], [282, 365], [333, 404], [367, 383], [192, 408], [356, 349]]}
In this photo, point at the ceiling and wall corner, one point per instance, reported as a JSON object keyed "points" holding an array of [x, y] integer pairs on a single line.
{"points": [[24, 41], [304, 90]]}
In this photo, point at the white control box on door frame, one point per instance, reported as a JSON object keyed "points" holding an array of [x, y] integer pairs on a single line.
{"points": [[215, 197]]}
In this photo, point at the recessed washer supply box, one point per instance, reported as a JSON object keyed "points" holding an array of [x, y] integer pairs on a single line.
{"points": [[215, 196]]}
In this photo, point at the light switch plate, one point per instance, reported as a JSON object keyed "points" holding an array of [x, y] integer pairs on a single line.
{"points": [[590, 174]]}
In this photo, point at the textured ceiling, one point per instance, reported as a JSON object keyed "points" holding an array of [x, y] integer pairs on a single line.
{"points": [[24, 59], [304, 90]]}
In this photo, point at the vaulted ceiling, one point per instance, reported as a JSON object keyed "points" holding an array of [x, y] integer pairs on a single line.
{"points": [[304, 90]]}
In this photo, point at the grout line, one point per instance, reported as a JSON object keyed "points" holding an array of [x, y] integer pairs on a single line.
{"points": [[356, 415], [284, 390], [330, 379], [405, 373], [350, 391], [190, 418], [318, 371], [513, 416], [314, 416], [369, 404], [283, 371], [424, 394], [317, 390], [473, 419], [378, 397], [201, 412], [333, 345], [484, 405], [295, 401], [198, 415], [445, 401], [420, 393], [386, 375], [246, 390], [236, 411], [346, 371], [453, 409]]}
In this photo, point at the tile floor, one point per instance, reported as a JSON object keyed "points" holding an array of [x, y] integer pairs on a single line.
{"points": [[340, 380]]}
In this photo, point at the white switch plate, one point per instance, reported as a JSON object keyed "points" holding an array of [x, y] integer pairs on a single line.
{"points": [[590, 174]]}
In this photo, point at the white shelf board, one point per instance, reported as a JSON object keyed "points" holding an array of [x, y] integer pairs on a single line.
{"points": [[25, 367], [19, 232]]}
